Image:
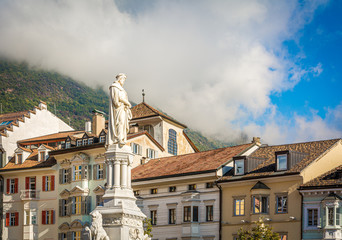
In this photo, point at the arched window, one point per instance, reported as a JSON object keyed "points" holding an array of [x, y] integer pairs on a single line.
{"points": [[172, 143]]}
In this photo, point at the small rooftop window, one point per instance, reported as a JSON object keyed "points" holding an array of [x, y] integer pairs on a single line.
{"points": [[282, 160], [239, 166]]}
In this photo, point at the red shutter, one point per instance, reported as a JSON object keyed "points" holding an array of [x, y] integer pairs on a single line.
{"points": [[16, 185], [44, 182], [27, 183], [8, 186], [16, 219], [52, 217], [43, 217], [52, 182], [7, 219]]}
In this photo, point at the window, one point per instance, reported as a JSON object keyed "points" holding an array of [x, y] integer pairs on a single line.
{"points": [[192, 187], [12, 185], [12, 219], [33, 217], [76, 235], [239, 207], [63, 207], [76, 205], [312, 217], [48, 217], [79, 142], [85, 167], [331, 216], [150, 153], [77, 173], [49, 183], [282, 162], [67, 144], [260, 204], [172, 189], [63, 236], [19, 158], [102, 139], [154, 190], [149, 129], [99, 169], [136, 193], [172, 142], [283, 236], [239, 167], [281, 202], [172, 216], [27, 217], [90, 141], [195, 213], [209, 216], [42, 156], [187, 214], [209, 185], [99, 200], [153, 217], [136, 148], [64, 175], [30, 217], [85, 142]]}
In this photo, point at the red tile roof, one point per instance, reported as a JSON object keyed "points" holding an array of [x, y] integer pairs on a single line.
{"points": [[268, 166], [54, 136], [30, 162], [143, 110], [332, 178], [187, 163]]}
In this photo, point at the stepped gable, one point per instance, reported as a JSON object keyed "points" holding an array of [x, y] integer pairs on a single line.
{"points": [[143, 110], [313, 150], [30, 162], [331, 179], [207, 161]]}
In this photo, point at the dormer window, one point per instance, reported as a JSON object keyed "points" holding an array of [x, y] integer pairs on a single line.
{"points": [[172, 142], [282, 160], [102, 139], [42, 156], [90, 141], [67, 144], [19, 158], [85, 142], [239, 166], [79, 142]]}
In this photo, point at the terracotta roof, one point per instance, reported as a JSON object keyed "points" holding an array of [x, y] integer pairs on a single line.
{"points": [[332, 178], [53, 136], [30, 162], [187, 163], [12, 116], [143, 110], [310, 150]]}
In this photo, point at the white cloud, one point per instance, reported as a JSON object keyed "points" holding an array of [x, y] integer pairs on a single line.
{"points": [[210, 64]]}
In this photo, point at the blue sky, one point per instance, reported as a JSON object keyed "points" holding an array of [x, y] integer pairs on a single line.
{"points": [[226, 68]]}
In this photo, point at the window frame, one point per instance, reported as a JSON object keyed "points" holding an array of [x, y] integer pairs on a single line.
{"points": [[192, 187], [187, 214], [172, 216], [153, 215], [281, 196], [154, 190], [172, 189], [279, 157], [235, 201], [76, 172], [261, 197], [172, 146], [209, 213], [307, 219]]}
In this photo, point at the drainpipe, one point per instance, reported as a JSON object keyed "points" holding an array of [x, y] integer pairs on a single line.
{"points": [[220, 223], [1, 204], [301, 215]]}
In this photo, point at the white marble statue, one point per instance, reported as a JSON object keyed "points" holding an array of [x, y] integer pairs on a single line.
{"points": [[96, 231], [119, 112]]}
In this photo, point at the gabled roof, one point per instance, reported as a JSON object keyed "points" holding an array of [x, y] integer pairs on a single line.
{"points": [[192, 163], [311, 151], [330, 179], [131, 136], [54, 136], [143, 110]]}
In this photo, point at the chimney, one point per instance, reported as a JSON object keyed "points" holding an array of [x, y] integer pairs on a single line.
{"points": [[87, 127], [134, 128], [256, 140], [98, 122], [42, 105]]}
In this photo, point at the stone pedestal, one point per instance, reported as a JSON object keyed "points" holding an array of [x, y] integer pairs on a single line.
{"points": [[122, 218]]}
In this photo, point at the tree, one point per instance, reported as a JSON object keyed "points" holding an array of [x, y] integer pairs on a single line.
{"points": [[148, 227], [261, 231]]}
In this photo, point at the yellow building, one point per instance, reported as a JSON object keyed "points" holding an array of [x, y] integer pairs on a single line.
{"points": [[265, 184]]}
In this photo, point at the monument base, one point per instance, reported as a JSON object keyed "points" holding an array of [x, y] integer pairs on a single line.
{"points": [[122, 219]]}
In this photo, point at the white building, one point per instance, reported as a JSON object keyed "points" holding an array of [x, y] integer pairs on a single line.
{"points": [[26, 124]]}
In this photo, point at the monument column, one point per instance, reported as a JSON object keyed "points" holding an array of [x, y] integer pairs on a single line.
{"points": [[121, 217]]}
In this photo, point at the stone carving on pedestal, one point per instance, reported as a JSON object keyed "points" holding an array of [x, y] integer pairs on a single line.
{"points": [[96, 230], [122, 218]]}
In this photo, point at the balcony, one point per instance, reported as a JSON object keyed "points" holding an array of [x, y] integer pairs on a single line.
{"points": [[29, 194]]}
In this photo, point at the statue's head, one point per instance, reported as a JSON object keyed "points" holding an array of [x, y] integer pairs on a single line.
{"points": [[121, 78], [95, 215]]}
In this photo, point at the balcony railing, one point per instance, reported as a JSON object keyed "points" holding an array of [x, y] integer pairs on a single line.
{"points": [[29, 194]]}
